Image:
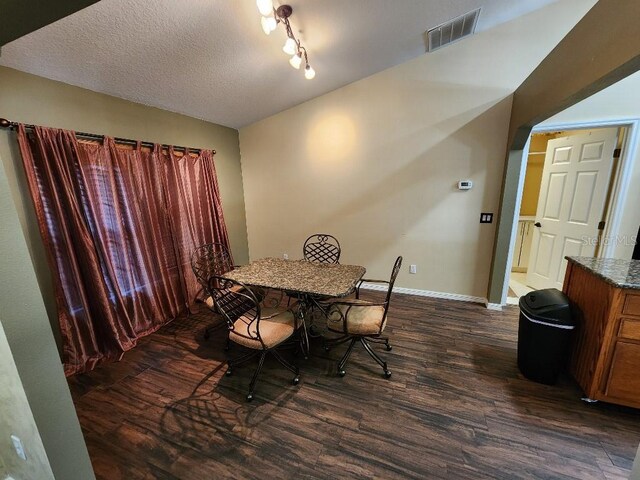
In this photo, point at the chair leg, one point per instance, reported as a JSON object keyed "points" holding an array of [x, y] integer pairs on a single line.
{"points": [[255, 376], [373, 354], [345, 357], [384, 340], [288, 366], [311, 306], [332, 342], [304, 339], [232, 363]]}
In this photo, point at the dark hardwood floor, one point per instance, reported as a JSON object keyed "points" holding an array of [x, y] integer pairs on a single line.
{"points": [[456, 407]]}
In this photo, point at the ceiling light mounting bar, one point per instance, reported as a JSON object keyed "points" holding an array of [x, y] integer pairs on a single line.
{"points": [[271, 17]]}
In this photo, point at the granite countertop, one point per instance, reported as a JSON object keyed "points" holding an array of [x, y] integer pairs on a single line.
{"points": [[331, 280], [620, 273]]}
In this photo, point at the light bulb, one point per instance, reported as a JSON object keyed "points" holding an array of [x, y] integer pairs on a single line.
{"points": [[265, 7], [268, 24], [290, 46], [309, 72], [295, 61]]}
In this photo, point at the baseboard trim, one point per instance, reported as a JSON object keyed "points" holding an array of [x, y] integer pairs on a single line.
{"points": [[494, 306], [425, 293]]}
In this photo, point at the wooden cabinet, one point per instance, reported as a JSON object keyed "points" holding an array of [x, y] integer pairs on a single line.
{"points": [[524, 234], [605, 356]]}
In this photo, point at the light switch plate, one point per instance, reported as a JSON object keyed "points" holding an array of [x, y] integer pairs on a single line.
{"points": [[486, 218]]}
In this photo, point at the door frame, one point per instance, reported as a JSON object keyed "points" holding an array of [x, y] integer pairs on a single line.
{"points": [[620, 187]]}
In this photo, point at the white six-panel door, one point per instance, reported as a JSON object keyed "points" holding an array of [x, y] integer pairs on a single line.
{"points": [[575, 181]]}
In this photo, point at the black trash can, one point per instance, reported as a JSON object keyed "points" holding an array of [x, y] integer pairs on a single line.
{"points": [[544, 333]]}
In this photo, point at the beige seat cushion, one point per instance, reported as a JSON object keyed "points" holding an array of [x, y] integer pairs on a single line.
{"points": [[362, 318], [275, 327], [209, 300]]}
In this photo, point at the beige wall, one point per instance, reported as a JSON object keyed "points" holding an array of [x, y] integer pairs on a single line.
{"points": [[376, 162], [619, 102], [635, 472], [25, 323], [16, 419], [587, 60]]}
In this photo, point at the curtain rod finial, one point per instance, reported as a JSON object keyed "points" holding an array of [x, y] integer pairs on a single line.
{"points": [[4, 123]]}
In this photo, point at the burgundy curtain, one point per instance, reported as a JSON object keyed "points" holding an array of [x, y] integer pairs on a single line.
{"points": [[194, 209], [119, 226]]}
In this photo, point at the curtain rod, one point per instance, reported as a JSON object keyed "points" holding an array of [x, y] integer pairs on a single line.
{"points": [[4, 123]]}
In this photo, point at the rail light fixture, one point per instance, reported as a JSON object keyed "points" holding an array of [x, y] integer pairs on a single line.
{"points": [[271, 17]]}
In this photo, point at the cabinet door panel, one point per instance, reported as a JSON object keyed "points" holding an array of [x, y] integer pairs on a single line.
{"points": [[631, 305], [629, 329], [624, 381]]}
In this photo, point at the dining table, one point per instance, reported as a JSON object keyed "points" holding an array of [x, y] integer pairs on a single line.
{"points": [[306, 281]]}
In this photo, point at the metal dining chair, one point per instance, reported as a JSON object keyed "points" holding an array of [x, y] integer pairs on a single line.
{"points": [[361, 321], [206, 261], [253, 326], [321, 248], [318, 248]]}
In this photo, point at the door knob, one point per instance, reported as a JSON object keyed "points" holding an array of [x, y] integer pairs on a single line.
{"points": [[537, 224]]}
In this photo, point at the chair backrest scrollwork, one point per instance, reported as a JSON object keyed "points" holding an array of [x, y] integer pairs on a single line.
{"points": [[238, 305], [321, 248], [392, 280], [210, 259]]}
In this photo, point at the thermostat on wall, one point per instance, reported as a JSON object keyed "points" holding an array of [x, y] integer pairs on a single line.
{"points": [[465, 185]]}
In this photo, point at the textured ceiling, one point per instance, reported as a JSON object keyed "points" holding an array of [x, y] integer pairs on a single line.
{"points": [[210, 59]]}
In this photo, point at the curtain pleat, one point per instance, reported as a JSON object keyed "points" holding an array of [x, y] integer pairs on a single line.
{"points": [[195, 211], [119, 226]]}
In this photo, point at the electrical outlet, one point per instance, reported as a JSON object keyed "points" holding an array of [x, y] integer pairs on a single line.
{"points": [[285, 256], [413, 268], [17, 444]]}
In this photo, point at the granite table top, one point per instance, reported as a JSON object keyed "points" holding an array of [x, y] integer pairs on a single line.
{"points": [[619, 273], [300, 276]]}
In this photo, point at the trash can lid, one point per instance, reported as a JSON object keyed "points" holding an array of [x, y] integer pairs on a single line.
{"points": [[549, 305]]}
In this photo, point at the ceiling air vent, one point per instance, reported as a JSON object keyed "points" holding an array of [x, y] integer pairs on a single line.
{"points": [[452, 30]]}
